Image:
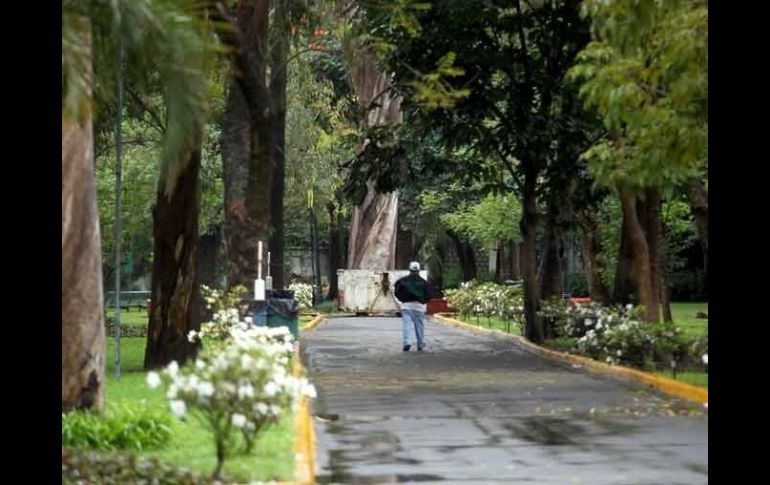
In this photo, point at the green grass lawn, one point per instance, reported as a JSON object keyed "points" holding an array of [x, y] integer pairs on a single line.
{"points": [[684, 317], [191, 445], [700, 379], [134, 317]]}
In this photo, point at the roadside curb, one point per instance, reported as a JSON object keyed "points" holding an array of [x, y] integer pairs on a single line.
{"points": [[304, 441], [669, 386], [312, 324]]}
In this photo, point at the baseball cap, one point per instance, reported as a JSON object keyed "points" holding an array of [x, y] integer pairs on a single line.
{"points": [[414, 266]]}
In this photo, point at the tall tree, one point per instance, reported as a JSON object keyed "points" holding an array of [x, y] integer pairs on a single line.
{"points": [[160, 39], [646, 74], [254, 132], [489, 78], [82, 312], [374, 225]]}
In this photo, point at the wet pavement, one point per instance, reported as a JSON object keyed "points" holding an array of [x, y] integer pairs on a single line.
{"points": [[476, 408]]}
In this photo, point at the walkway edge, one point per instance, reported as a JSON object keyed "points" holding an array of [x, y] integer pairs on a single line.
{"points": [[312, 324], [669, 386], [304, 434]]}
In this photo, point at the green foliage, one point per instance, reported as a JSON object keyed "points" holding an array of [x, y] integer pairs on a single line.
{"points": [[122, 427], [432, 91], [616, 335], [646, 74], [488, 299], [490, 221], [317, 127]]}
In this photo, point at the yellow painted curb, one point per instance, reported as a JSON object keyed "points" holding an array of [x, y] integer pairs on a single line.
{"points": [[670, 386], [312, 324], [304, 434]]}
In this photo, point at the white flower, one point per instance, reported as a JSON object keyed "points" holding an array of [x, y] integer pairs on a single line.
{"points": [[239, 420], [245, 391], [172, 391], [270, 389], [705, 359], [309, 391], [178, 408], [153, 380], [619, 352], [172, 368], [205, 389], [192, 335]]}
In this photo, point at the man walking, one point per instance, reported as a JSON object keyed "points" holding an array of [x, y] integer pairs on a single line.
{"points": [[412, 293]]}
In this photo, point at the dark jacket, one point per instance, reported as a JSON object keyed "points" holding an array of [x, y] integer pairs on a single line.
{"points": [[412, 288]]}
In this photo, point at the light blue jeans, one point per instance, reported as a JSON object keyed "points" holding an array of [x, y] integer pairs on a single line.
{"points": [[416, 318]]}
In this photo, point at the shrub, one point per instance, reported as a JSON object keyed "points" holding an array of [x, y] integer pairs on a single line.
{"points": [[120, 428]]}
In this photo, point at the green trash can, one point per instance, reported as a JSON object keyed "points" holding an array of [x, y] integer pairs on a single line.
{"points": [[283, 312]]}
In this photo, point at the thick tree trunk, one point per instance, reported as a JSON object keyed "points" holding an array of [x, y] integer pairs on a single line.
{"points": [[175, 228], [335, 249], [372, 243], [552, 268], [641, 263], [533, 329], [82, 317], [649, 216], [278, 68], [236, 159], [206, 269], [623, 285], [515, 251], [252, 146], [465, 256], [592, 250]]}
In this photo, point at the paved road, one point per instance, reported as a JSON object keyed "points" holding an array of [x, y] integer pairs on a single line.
{"points": [[476, 408]]}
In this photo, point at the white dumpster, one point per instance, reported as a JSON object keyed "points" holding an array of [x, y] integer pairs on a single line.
{"points": [[368, 291]]}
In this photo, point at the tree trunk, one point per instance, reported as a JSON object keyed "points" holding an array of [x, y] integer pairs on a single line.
{"points": [[624, 284], [206, 269], [465, 256], [592, 250], [252, 145], [335, 249], [532, 323], [372, 243], [650, 219], [82, 317], [699, 204], [236, 160], [641, 263], [515, 250], [552, 268], [175, 228], [664, 299], [278, 68], [373, 231]]}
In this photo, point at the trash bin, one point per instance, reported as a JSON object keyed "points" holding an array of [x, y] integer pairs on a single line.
{"points": [[283, 312], [258, 310]]}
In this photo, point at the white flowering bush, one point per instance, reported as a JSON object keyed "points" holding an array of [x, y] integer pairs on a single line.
{"points": [[617, 335], [218, 300], [226, 315], [238, 389], [303, 293], [487, 299]]}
